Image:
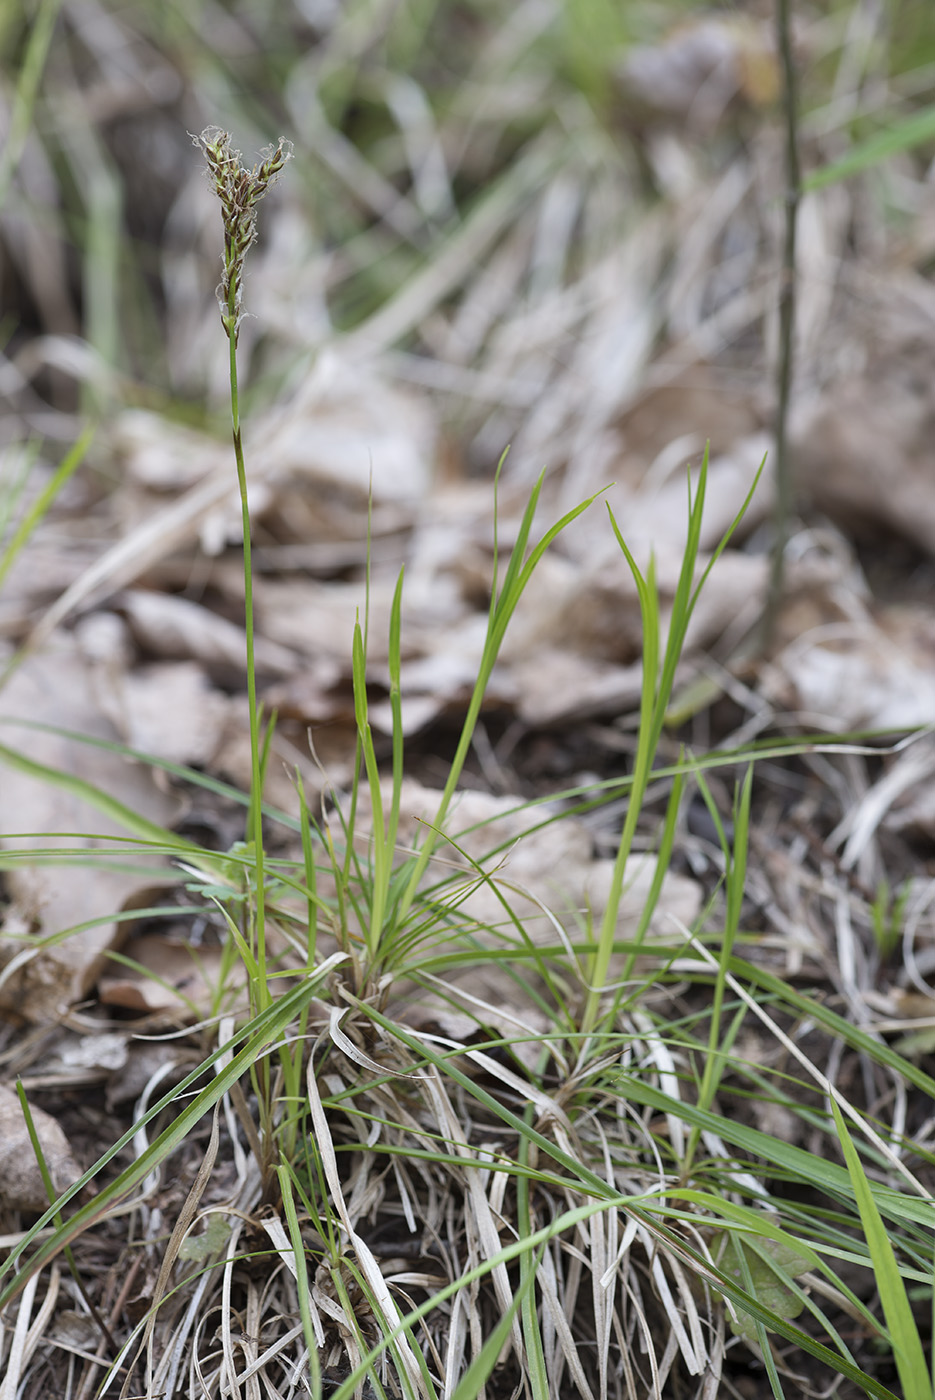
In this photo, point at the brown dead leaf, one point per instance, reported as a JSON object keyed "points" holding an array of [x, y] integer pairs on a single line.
{"points": [[21, 1184], [171, 977], [172, 712], [867, 672], [178, 629], [862, 449], [54, 689]]}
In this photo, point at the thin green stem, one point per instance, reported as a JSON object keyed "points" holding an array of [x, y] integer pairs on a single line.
{"points": [[255, 834]]}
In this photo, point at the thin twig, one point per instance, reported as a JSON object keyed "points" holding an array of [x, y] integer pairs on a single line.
{"points": [[787, 290]]}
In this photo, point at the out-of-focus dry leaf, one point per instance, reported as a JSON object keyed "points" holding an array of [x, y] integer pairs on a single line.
{"points": [[54, 689], [172, 712], [179, 629], [863, 448], [233, 761], [679, 904], [347, 426], [313, 694], [870, 672], [171, 977], [443, 680], [652, 510], [315, 618], [167, 710], [21, 1185], [94, 1054], [668, 423], [900, 797], [166, 457], [554, 687], [575, 651]]}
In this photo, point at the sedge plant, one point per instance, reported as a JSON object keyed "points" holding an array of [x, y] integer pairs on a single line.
{"points": [[858, 1212], [240, 190]]}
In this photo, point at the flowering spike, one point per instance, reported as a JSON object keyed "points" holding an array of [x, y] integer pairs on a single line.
{"points": [[239, 190]]}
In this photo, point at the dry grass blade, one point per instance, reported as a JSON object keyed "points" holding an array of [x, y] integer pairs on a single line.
{"points": [[27, 1336], [282, 1244], [182, 1225], [389, 1314], [833, 1093]]}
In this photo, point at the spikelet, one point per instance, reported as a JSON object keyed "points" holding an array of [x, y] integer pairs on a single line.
{"points": [[240, 191]]}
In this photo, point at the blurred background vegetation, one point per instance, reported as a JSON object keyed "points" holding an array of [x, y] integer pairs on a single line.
{"points": [[434, 139]]}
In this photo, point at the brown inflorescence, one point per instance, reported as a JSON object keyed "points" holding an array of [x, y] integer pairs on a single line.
{"points": [[239, 190]]}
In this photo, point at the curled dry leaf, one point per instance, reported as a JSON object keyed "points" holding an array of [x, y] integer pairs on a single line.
{"points": [[21, 1184]]}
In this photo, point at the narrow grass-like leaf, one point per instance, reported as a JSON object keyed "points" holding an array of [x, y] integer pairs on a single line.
{"points": [[716, 1060], [570, 1218], [301, 1274], [794, 1161], [758, 1328], [394, 666], [37, 509], [532, 1333], [663, 860], [262, 1031], [876, 1050], [46, 1175], [904, 1334], [308, 864], [30, 68], [503, 604], [903, 135], [658, 680], [478, 1373], [642, 765], [381, 858]]}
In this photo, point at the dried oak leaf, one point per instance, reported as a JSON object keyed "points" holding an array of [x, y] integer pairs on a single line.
{"points": [[21, 1185]]}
